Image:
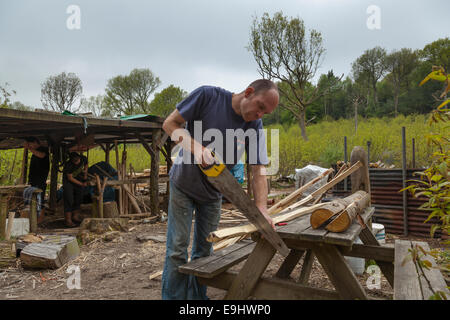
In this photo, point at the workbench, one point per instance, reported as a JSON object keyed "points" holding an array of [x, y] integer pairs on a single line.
{"points": [[329, 248]]}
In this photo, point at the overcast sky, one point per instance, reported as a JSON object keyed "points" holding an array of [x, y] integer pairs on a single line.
{"points": [[189, 43]]}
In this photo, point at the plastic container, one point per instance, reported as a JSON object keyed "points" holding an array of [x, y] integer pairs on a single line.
{"points": [[379, 232], [356, 264]]}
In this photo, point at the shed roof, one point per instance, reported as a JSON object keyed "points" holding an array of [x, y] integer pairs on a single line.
{"points": [[15, 125]]}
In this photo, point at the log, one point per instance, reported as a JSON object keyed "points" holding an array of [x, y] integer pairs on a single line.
{"points": [[99, 226], [110, 210], [343, 221], [52, 253], [334, 208], [320, 216]]}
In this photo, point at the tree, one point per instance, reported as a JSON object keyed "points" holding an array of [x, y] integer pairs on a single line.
{"points": [[5, 95], [283, 51], [369, 68], [165, 101], [94, 104], [129, 94], [400, 64], [60, 92], [437, 53], [20, 106]]}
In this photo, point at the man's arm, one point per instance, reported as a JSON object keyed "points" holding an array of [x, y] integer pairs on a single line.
{"points": [[73, 180], [174, 127], [259, 185]]}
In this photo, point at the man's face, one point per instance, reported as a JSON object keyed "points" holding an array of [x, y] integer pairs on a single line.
{"points": [[254, 106]]}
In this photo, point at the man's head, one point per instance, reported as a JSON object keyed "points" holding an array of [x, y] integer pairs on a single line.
{"points": [[32, 142], [74, 158], [261, 97]]}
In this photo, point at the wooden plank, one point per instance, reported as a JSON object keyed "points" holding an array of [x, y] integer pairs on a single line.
{"points": [[307, 267], [378, 253], [339, 272], [248, 277], [273, 288], [406, 281], [433, 276], [289, 263], [219, 261], [230, 188]]}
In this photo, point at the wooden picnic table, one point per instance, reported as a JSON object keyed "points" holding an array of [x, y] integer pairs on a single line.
{"points": [[5, 193], [329, 248]]}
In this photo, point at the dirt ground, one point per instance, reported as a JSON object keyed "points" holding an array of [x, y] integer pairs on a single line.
{"points": [[120, 269]]}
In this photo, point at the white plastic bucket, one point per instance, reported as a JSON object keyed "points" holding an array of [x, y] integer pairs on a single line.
{"points": [[379, 232], [356, 264]]}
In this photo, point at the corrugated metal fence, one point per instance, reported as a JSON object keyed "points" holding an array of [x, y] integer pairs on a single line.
{"points": [[388, 202]]}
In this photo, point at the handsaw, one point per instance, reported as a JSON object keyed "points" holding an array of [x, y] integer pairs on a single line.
{"points": [[226, 184]]}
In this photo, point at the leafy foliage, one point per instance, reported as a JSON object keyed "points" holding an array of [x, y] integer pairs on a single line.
{"points": [[129, 94], [60, 92]]}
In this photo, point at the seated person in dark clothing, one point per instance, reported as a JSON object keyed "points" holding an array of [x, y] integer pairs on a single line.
{"points": [[74, 179], [39, 168]]}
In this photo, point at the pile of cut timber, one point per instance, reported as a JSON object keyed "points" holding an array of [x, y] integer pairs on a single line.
{"points": [[338, 215], [289, 208]]}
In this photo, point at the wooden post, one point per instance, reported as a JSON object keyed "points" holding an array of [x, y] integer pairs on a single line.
{"points": [[413, 153], [33, 212], [119, 177], [23, 174], [154, 173], [54, 177], [405, 193], [249, 181], [345, 161], [10, 225], [107, 151], [3, 211]]}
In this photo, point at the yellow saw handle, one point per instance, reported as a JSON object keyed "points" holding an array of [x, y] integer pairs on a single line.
{"points": [[215, 169]]}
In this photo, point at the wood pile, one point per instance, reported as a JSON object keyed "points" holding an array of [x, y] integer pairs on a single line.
{"points": [[377, 164], [287, 209]]}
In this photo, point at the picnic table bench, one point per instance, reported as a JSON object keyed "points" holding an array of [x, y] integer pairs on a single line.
{"points": [[329, 248]]}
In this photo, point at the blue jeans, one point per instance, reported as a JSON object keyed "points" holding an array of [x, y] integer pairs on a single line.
{"points": [[175, 285]]}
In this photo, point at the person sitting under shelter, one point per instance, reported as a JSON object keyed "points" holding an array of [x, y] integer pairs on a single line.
{"points": [[74, 179], [39, 169]]}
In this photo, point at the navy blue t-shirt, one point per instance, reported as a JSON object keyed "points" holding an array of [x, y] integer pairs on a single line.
{"points": [[211, 120]]}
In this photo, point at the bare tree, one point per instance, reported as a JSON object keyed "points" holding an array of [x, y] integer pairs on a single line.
{"points": [[60, 92], [284, 51]]}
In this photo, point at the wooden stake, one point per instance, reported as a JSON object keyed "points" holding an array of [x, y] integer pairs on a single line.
{"points": [[10, 225]]}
